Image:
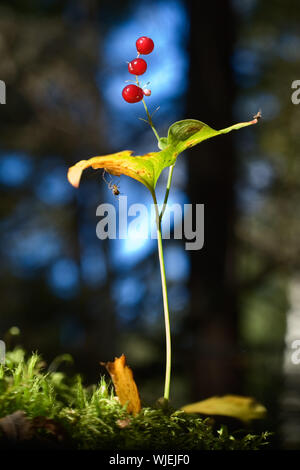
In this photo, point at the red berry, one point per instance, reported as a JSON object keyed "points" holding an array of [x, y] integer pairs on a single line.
{"points": [[147, 92], [132, 94], [137, 66], [144, 45]]}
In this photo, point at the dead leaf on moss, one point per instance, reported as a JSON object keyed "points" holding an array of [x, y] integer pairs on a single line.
{"points": [[124, 383], [235, 406]]}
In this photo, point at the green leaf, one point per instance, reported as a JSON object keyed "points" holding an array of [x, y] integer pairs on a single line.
{"points": [[235, 406], [189, 132], [147, 168]]}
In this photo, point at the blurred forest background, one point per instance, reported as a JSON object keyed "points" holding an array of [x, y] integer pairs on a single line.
{"points": [[235, 304]]}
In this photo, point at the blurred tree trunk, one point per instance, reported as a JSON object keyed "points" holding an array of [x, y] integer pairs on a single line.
{"points": [[54, 108], [213, 314]]}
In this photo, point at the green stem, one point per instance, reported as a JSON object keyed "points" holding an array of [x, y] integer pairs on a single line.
{"points": [[158, 218], [148, 114], [171, 168], [165, 299], [150, 120]]}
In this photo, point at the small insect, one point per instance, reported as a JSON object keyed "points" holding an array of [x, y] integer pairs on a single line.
{"points": [[112, 186], [257, 115]]}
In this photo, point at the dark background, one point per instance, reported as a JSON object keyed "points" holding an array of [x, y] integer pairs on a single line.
{"points": [[235, 304]]}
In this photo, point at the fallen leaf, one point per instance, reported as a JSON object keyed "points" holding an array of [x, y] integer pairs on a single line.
{"points": [[235, 406], [124, 383]]}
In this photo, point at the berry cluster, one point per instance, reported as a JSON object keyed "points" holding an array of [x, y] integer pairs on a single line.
{"points": [[138, 66]]}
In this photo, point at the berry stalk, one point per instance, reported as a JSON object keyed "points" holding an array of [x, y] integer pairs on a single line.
{"points": [[148, 114]]}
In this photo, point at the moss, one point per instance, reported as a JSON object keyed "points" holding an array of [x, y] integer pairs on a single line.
{"points": [[92, 418]]}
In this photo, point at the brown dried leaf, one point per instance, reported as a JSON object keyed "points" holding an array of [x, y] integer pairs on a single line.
{"points": [[124, 383]]}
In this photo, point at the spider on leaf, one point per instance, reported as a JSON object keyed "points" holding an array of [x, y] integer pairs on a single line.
{"points": [[112, 186]]}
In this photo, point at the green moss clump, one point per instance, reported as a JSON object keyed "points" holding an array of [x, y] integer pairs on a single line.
{"points": [[92, 418]]}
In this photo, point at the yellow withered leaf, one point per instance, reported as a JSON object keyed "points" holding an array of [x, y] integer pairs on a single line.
{"points": [[145, 169], [124, 383], [235, 406]]}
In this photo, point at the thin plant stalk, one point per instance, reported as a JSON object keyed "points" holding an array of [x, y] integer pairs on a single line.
{"points": [[158, 219], [150, 120], [165, 299], [147, 112], [171, 168]]}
